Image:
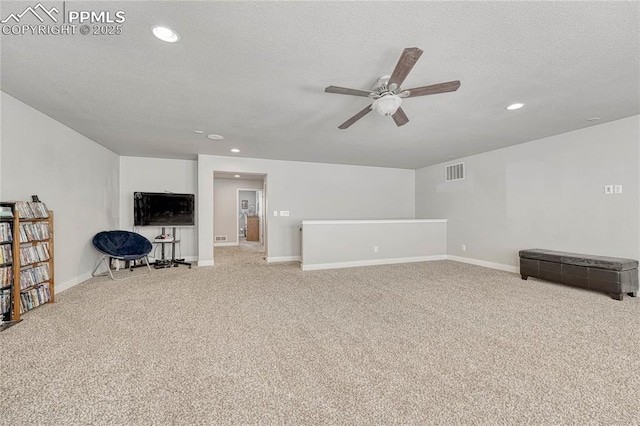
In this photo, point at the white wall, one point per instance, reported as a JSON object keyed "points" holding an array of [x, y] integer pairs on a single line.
{"points": [[328, 244], [307, 191], [227, 205], [547, 193], [139, 174], [74, 176]]}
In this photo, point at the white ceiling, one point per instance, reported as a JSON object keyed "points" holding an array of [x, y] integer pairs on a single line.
{"points": [[255, 72]]}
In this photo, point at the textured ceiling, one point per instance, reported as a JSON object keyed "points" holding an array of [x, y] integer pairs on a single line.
{"points": [[255, 72]]}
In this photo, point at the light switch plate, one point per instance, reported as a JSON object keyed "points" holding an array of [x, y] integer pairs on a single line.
{"points": [[275, 212], [284, 213], [608, 189], [617, 189]]}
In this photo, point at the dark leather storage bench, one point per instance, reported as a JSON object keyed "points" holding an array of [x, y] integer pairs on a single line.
{"points": [[612, 275]]}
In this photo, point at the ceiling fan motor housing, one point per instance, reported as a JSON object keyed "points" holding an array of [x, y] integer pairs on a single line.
{"points": [[381, 84]]}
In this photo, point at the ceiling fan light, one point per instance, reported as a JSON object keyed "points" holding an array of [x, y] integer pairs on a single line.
{"points": [[387, 105]]}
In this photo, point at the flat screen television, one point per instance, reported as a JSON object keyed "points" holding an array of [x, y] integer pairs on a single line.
{"points": [[163, 209]]}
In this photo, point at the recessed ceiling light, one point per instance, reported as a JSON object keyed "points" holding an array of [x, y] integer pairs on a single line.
{"points": [[215, 137], [515, 106], [236, 175], [593, 119], [236, 150], [198, 132], [165, 34]]}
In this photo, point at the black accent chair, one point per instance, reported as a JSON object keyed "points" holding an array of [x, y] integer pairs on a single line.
{"points": [[121, 245]]}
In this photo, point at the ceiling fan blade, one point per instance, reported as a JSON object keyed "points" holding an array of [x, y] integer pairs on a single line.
{"points": [[400, 117], [406, 62], [355, 118], [345, 91], [450, 86]]}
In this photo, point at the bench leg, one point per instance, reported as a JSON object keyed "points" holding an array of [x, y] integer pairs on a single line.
{"points": [[617, 296], [524, 277], [634, 294]]}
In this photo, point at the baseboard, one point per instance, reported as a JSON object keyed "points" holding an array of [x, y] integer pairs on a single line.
{"points": [[231, 244], [72, 282], [478, 262], [205, 262], [372, 262], [283, 259]]}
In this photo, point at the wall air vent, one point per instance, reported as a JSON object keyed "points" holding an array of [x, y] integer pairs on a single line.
{"points": [[221, 238], [454, 172]]}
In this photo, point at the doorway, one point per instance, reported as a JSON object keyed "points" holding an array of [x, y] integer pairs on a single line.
{"points": [[250, 216], [239, 219]]}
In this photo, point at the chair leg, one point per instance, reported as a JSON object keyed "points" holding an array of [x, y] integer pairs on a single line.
{"points": [[107, 263], [112, 277], [103, 259], [110, 272]]}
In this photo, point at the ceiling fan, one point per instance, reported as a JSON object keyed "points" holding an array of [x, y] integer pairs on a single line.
{"points": [[388, 95]]}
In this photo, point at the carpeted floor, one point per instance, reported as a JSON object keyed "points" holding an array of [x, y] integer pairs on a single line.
{"points": [[245, 342]]}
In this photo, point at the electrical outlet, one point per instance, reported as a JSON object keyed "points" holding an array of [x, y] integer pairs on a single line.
{"points": [[608, 189], [275, 212], [375, 249], [464, 247], [617, 189]]}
